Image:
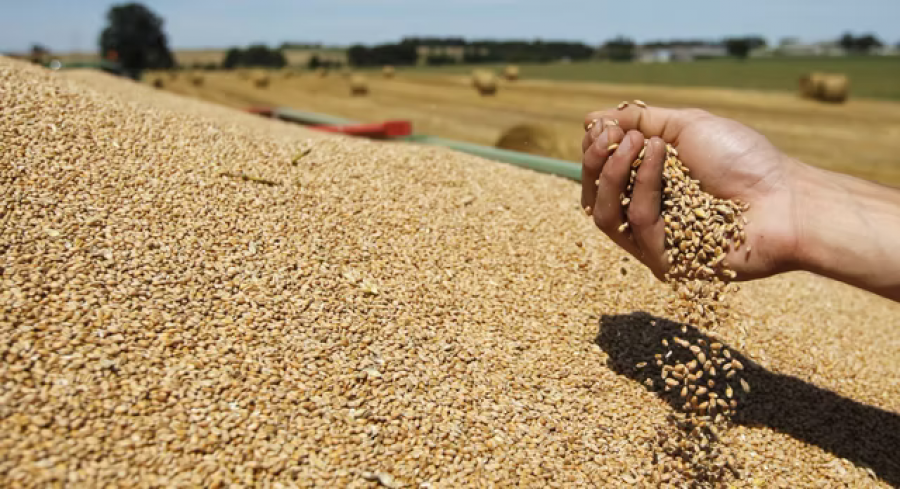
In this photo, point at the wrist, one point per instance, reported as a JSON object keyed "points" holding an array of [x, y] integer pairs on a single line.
{"points": [[809, 195], [846, 229], [825, 220]]}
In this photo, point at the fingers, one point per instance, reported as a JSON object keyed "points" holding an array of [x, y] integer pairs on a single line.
{"points": [[608, 213], [651, 121], [644, 211], [593, 128], [594, 158]]}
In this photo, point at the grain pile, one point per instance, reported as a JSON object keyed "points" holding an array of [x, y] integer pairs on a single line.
{"points": [[379, 314]]}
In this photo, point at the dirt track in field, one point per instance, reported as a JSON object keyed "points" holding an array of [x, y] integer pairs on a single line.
{"points": [[861, 137]]}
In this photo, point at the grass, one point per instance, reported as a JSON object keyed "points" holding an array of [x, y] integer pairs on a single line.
{"points": [[870, 77]]}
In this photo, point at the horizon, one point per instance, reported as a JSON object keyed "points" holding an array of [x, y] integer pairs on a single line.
{"points": [[64, 27]]}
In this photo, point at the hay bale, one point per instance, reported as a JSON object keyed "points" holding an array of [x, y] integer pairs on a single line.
{"points": [[511, 73], [197, 80], [825, 87], [485, 82], [261, 81], [388, 71], [534, 139], [358, 85], [808, 84], [158, 83]]}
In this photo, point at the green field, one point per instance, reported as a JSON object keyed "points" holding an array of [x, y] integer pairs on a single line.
{"points": [[870, 77]]}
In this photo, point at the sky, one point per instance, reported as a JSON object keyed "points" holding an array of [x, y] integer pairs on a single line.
{"points": [[74, 25]]}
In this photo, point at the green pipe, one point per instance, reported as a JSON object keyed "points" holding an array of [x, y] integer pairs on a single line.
{"points": [[542, 164], [538, 163]]}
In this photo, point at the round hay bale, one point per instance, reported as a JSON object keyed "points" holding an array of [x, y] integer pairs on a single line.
{"points": [[808, 84], [158, 83], [834, 88], [511, 73], [388, 71], [197, 80], [825, 87], [485, 82], [261, 81], [532, 138], [358, 85]]}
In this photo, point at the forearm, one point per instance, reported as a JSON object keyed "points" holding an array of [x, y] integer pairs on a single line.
{"points": [[849, 230]]}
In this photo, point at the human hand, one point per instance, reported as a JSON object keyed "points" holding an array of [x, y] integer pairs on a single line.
{"points": [[730, 160]]}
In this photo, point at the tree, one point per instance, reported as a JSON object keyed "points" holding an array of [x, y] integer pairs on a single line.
{"points": [[357, 55], [38, 53], [737, 47], [859, 45], [255, 55], [134, 37], [619, 49], [867, 43], [232, 58]]}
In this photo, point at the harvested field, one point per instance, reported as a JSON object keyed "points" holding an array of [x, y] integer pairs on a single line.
{"points": [[859, 137], [374, 314]]}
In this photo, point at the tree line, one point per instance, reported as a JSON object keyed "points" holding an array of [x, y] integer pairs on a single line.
{"points": [[449, 50], [134, 38]]}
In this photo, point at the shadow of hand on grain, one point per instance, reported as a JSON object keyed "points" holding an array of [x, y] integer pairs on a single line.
{"points": [[865, 435]]}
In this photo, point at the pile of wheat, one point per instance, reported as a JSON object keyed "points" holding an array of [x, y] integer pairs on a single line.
{"points": [[194, 296]]}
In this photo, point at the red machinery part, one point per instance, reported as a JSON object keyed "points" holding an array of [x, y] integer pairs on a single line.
{"points": [[263, 111]]}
